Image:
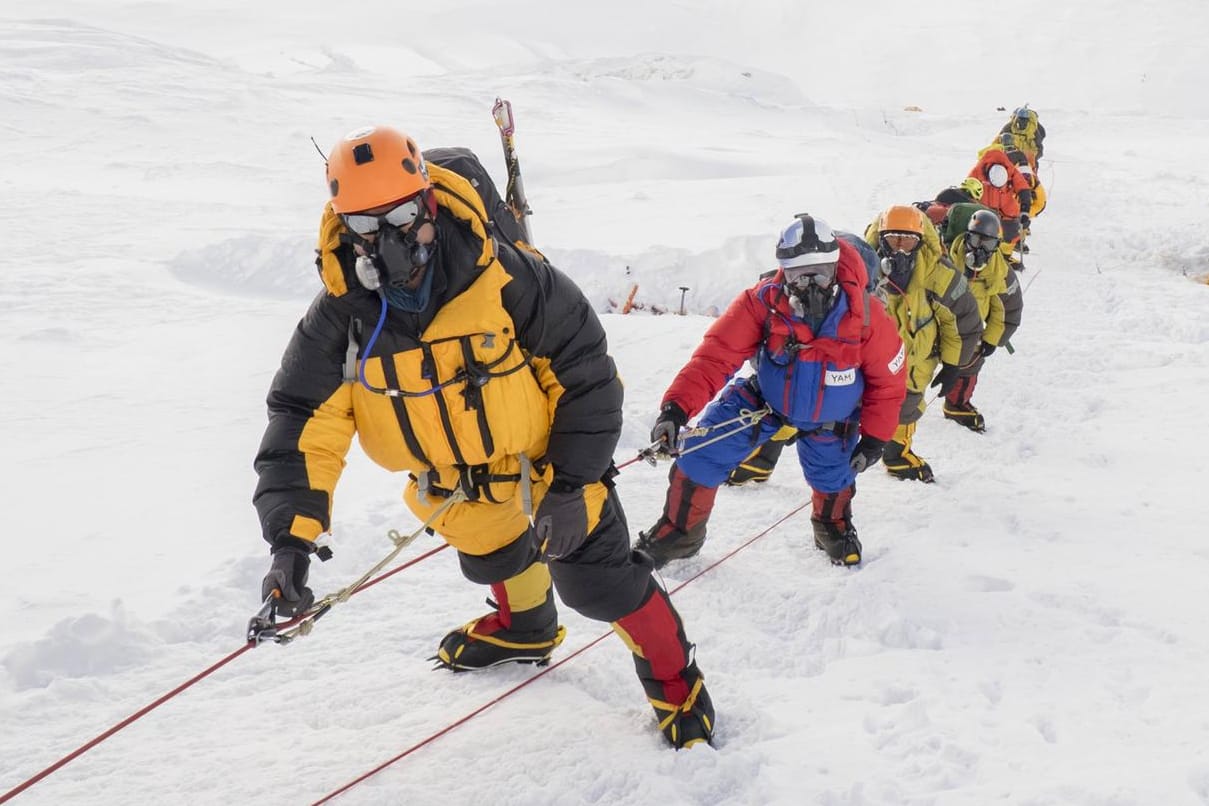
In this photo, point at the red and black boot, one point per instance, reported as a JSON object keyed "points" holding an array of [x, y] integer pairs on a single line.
{"points": [[833, 531], [680, 531], [663, 658], [523, 628], [958, 407]]}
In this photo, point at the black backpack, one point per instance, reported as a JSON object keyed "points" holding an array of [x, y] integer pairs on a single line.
{"points": [[464, 163]]}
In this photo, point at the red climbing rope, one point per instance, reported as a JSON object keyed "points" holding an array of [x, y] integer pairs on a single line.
{"points": [[464, 719]]}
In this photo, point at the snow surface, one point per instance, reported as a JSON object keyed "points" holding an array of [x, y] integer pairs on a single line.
{"points": [[1028, 630]]}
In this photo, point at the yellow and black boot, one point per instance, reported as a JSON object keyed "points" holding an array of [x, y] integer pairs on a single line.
{"points": [[663, 658], [958, 407], [763, 460], [901, 462], [523, 628], [831, 519], [680, 531]]}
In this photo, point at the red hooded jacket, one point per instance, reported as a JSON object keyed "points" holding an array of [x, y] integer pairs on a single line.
{"points": [[1007, 200], [866, 339]]}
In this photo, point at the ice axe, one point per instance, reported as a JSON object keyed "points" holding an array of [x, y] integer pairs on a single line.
{"points": [[683, 291], [514, 194]]}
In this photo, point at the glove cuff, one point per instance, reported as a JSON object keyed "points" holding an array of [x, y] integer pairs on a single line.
{"points": [[560, 485], [672, 411], [289, 543]]}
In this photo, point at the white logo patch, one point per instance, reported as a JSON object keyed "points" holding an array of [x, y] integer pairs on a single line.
{"points": [[897, 363], [845, 377]]}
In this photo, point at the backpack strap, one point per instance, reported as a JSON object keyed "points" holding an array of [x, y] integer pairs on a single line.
{"points": [[350, 354], [455, 193]]}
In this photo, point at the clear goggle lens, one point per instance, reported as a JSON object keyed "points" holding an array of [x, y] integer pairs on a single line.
{"points": [[901, 241]]}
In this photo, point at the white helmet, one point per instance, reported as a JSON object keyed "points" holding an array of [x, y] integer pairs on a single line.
{"points": [[808, 241]]}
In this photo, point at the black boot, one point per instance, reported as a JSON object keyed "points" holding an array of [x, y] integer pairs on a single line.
{"points": [[690, 722], [485, 642], [664, 542], [680, 531], [838, 540], [902, 462], [758, 466], [965, 414]]}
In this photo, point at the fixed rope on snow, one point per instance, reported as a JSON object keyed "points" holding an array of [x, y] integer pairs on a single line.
{"points": [[84, 748], [472, 714], [263, 626], [260, 630]]}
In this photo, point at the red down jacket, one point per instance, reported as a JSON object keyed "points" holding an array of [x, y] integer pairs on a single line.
{"points": [[866, 338]]}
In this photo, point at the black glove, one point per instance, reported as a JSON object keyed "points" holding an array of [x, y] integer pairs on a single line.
{"points": [[667, 426], [1024, 221], [561, 521], [287, 576], [868, 452], [988, 348], [945, 378]]}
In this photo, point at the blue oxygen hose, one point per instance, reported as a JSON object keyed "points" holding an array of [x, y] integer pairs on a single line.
{"points": [[370, 345]]}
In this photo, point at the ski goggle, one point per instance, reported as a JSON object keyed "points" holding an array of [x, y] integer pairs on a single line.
{"points": [[979, 241], [901, 241], [822, 275], [400, 215]]}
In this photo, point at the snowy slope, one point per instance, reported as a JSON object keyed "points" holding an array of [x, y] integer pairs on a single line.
{"points": [[1029, 630]]}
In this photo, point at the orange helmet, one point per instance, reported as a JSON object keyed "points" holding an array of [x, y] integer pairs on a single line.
{"points": [[902, 218], [374, 166]]}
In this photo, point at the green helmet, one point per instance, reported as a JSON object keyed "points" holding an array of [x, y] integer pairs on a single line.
{"points": [[973, 187]]}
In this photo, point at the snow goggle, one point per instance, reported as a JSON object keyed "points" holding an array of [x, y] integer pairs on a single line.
{"points": [[979, 241], [400, 215], [901, 241], [822, 275]]}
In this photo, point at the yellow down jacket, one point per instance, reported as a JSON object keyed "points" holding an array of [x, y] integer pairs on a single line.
{"points": [[937, 316]]}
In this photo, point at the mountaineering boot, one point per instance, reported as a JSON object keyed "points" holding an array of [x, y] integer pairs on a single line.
{"points": [[663, 659], [664, 542], [690, 722], [959, 408], [831, 518], [840, 543], [680, 531], [487, 642], [758, 466], [965, 414], [506, 635], [901, 462]]}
